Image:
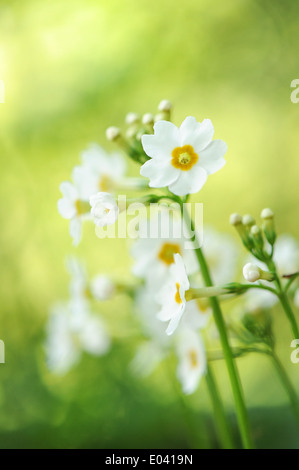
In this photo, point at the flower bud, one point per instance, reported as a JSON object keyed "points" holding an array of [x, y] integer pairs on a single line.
{"points": [[113, 133], [164, 106], [132, 118], [235, 219], [253, 273], [248, 220], [257, 237], [268, 226], [148, 119]]}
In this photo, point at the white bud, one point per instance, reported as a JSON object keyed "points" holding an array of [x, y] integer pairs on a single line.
{"points": [[104, 209], [267, 214], [132, 118], [165, 105], [255, 230], [248, 220], [102, 288], [112, 133], [148, 118], [251, 272], [235, 219]]}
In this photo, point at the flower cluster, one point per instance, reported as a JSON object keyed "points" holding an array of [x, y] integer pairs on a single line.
{"points": [[179, 309]]}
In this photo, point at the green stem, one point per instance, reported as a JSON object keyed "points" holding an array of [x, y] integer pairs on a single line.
{"points": [[287, 384], [284, 300], [227, 352], [224, 429]]}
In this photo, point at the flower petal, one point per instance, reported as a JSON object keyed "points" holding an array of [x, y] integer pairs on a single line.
{"points": [[76, 230], [69, 190], [189, 182], [197, 134], [66, 208], [211, 158], [160, 172], [162, 142]]}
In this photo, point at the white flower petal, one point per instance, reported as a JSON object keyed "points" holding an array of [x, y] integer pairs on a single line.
{"points": [[161, 144], [160, 172], [76, 230], [189, 182], [197, 134], [66, 208], [69, 190], [211, 158]]}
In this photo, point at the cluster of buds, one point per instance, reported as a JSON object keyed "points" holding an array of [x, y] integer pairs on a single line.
{"points": [[136, 127], [252, 236]]}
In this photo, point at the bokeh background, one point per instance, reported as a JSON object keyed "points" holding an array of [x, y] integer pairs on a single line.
{"points": [[71, 69]]}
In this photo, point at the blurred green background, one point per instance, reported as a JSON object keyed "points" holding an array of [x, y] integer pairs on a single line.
{"points": [[71, 69]]}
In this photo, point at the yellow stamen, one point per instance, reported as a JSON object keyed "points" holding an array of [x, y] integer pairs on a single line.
{"points": [[167, 251], [202, 305], [193, 358], [177, 294], [105, 184], [184, 158]]}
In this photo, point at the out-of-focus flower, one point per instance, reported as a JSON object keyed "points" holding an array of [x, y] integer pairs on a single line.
{"points": [[172, 295], [221, 252], [102, 287], [148, 356], [69, 334], [182, 158], [104, 209], [155, 254], [192, 359], [72, 206], [286, 254], [100, 171]]}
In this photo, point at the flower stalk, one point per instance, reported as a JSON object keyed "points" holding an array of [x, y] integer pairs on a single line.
{"points": [[228, 356]]}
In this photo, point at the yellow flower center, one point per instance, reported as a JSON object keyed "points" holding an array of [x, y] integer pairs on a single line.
{"points": [[184, 158], [167, 251], [202, 305], [105, 184], [177, 294], [193, 358], [82, 207]]}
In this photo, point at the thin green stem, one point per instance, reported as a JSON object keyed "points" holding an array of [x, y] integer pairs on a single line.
{"points": [[287, 384], [228, 355], [284, 300], [224, 429]]}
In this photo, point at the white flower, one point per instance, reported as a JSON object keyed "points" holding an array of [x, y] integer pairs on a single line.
{"points": [[102, 288], [192, 359], [182, 158], [100, 171], [221, 252], [258, 299], [70, 333], [286, 254], [72, 206], [104, 209], [172, 295], [154, 252], [251, 272], [78, 275], [147, 358]]}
